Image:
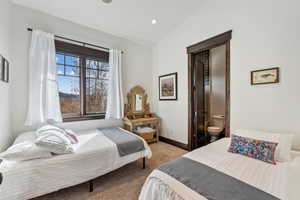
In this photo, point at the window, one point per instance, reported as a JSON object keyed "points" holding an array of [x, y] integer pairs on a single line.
{"points": [[82, 81]]}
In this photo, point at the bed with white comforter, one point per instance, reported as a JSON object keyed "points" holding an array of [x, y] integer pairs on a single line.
{"points": [[96, 156], [281, 180]]}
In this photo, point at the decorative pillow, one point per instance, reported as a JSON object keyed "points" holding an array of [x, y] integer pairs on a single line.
{"points": [[24, 148], [258, 149], [55, 142], [44, 130], [284, 141], [26, 136], [60, 132]]}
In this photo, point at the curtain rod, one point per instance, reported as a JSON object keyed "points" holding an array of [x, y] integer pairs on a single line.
{"points": [[83, 43]]}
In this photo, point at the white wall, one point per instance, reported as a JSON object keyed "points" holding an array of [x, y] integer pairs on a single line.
{"points": [[265, 34], [217, 75], [136, 69], [5, 50]]}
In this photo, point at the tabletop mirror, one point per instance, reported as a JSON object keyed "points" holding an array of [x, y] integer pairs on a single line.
{"points": [[137, 102]]}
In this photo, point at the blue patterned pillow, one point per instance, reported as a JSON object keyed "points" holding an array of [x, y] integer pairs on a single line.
{"points": [[258, 149]]}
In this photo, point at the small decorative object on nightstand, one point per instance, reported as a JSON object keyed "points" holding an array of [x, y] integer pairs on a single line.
{"points": [[138, 118]]}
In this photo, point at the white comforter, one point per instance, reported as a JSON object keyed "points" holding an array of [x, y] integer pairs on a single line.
{"points": [[96, 156], [281, 180]]}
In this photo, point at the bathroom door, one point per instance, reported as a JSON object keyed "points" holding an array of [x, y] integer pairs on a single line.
{"points": [[199, 101]]}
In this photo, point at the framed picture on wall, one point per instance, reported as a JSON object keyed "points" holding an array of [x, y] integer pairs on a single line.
{"points": [[265, 76], [168, 87], [5, 70], [1, 68]]}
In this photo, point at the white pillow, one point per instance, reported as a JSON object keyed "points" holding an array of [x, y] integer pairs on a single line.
{"points": [[26, 136], [282, 152], [54, 139], [44, 130], [53, 145], [24, 148], [61, 132]]}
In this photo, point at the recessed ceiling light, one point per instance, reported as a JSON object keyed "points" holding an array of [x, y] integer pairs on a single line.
{"points": [[107, 1], [154, 21]]}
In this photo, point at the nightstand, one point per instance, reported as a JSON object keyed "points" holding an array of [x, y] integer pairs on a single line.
{"points": [[138, 118]]}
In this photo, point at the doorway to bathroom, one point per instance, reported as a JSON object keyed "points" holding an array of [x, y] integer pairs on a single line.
{"points": [[209, 90]]}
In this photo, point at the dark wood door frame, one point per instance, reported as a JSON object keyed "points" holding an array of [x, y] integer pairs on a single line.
{"points": [[222, 39]]}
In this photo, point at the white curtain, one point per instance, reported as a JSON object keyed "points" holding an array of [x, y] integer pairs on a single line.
{"points": [[43, 102], [115, 103]]}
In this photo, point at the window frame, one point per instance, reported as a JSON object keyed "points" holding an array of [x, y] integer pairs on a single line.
{"points": [[83, 53]]}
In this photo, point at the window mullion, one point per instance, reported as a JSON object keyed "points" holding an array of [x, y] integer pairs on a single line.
{"points": [[82, 86]]}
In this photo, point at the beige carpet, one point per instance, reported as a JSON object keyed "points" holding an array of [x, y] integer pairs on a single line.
{"points": [[122, 184]]}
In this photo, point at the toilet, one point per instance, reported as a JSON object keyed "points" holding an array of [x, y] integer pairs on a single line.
{"points": [[216, 127]]}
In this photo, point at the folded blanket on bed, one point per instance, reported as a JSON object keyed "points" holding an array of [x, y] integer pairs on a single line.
{"points": [[210, 183], [126, 143]]}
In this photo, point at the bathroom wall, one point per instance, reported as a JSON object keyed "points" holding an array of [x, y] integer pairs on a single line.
{"points": [[217, 80]]}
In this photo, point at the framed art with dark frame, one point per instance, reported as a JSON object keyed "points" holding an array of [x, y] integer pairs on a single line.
{"points": [[265, 76], [168, 87], [5, 70], [1, 68]]}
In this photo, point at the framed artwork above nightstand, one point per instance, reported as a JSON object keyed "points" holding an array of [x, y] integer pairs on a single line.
{"points": [[168, 87], [4, 69]]}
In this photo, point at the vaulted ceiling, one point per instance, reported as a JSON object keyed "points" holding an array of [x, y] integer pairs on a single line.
{"points": [[129, 19]]}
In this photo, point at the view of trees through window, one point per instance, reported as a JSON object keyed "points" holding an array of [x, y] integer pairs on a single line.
{"points": [[96, 86], [92, 97]]}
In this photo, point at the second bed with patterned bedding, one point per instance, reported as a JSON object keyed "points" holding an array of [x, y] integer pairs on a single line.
{"points": [[213, 173]]}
